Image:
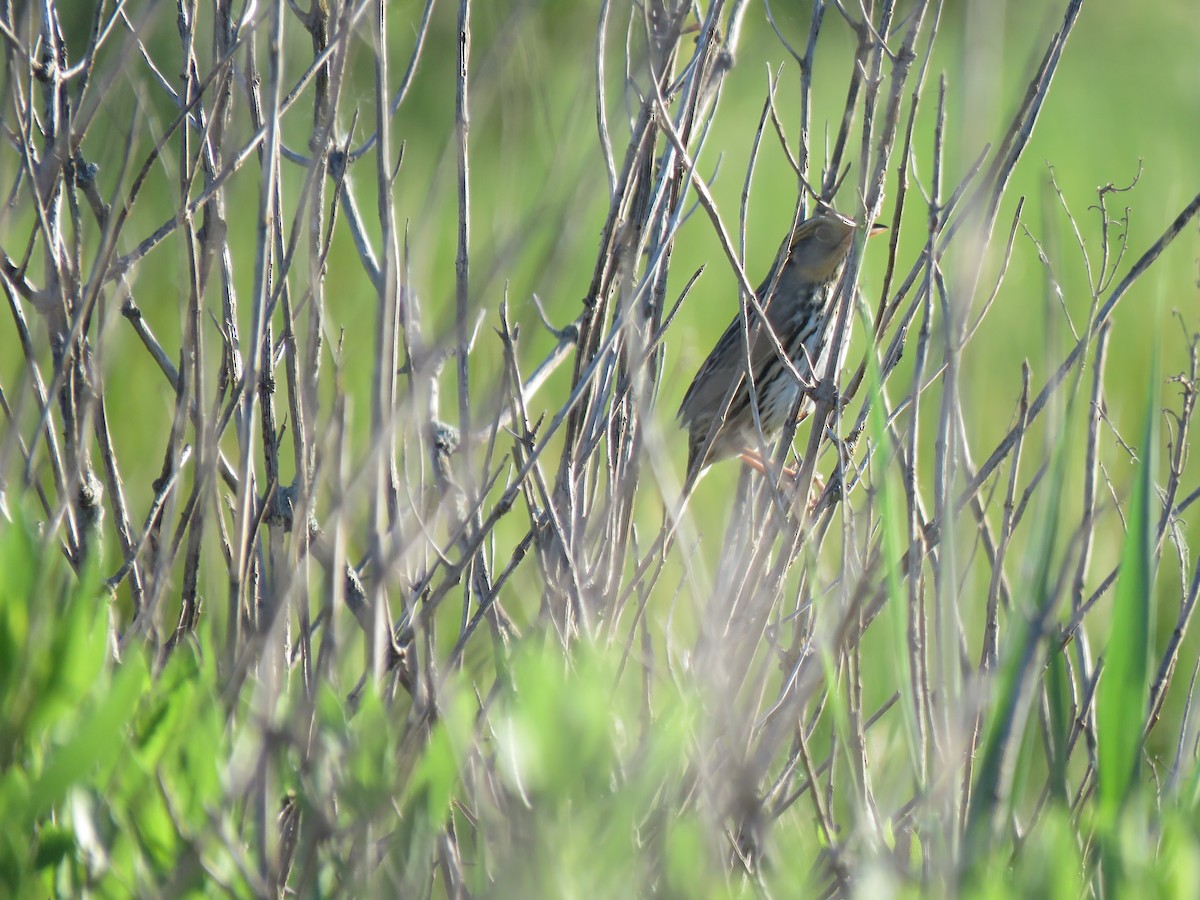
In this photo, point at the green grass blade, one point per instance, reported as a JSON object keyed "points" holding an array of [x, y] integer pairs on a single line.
{"points": [[1124, 687], [890, 505], [996, 778]]}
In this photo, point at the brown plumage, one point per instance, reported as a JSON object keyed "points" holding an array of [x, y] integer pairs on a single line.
{"points": [[797, 297]]}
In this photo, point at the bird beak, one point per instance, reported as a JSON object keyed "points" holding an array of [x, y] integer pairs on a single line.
{"points": [[876, 229]]}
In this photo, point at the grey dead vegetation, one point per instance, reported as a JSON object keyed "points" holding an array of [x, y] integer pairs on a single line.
{"points": [[265, 511]]}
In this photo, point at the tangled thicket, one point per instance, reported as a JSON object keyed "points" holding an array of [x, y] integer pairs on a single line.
{"points": [[272, 623]]}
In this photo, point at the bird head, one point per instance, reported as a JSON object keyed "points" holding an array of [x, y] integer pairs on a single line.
{"points": [[819, 246]]}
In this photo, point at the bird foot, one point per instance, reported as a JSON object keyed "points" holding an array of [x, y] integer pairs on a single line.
{"points": [[790, 475]]}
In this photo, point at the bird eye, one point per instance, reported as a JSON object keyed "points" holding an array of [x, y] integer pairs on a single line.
{"points": [[825, 234]]}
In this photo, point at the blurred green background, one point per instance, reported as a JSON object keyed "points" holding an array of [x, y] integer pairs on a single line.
{"points": [[1126, 99]]}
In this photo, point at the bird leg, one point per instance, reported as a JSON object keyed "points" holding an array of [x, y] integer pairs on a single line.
{"points": [[757, 463]]}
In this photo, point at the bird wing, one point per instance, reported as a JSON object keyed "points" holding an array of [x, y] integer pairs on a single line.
{"points": [[714, 375], [723, 367]]}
